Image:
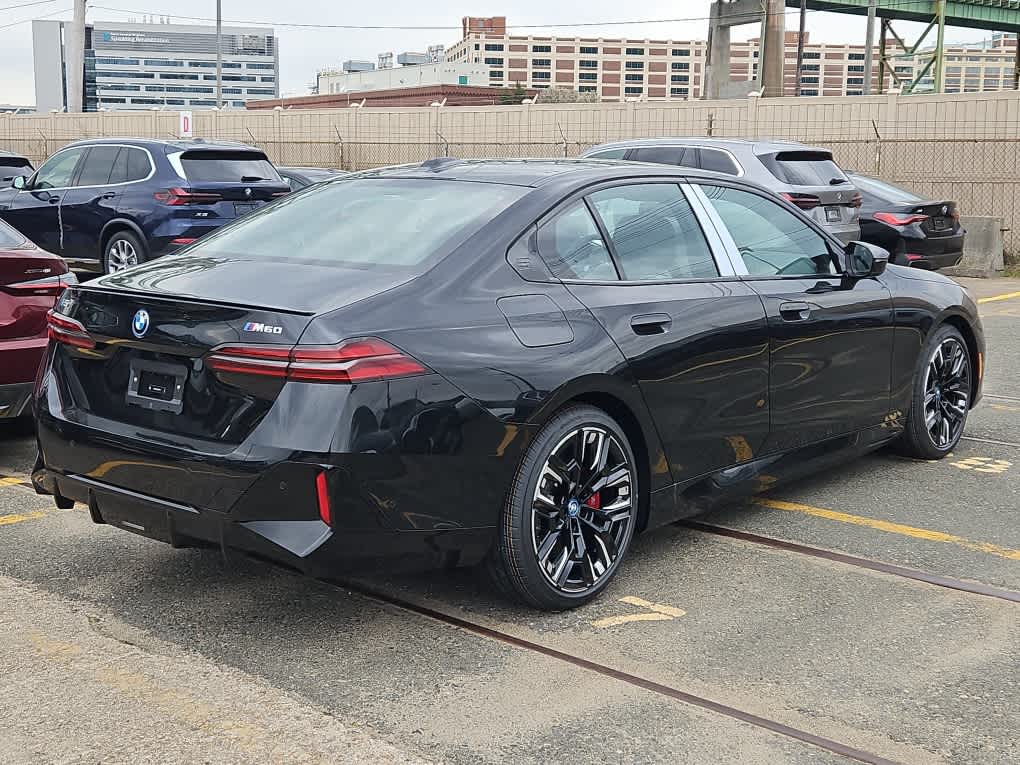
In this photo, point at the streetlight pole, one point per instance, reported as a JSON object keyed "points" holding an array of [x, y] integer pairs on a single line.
{"points": [[219, 54], [869, 48]]}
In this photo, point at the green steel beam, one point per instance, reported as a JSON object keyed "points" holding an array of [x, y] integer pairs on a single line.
{"points": [[994, 15]]}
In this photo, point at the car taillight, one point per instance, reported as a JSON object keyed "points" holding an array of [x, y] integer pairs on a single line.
{"points": [[352, 361], [803, 201], [51, 286], [899, 219], [177, 196], [61, 329]]}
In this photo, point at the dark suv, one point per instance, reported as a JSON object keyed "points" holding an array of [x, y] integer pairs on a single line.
{"points": [[106, 204]]}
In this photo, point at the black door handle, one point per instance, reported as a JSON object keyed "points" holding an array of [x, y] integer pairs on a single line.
{"points": [[109, 195], [794, 311], [650, 323], [53, 200]]}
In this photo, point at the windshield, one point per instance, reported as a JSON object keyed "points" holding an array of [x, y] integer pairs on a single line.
{"points": [[884, 191], [228, 167], [365, 222], [806, 168]]}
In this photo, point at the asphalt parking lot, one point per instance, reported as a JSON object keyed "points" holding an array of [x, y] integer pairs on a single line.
{"points": [[706, 647]]}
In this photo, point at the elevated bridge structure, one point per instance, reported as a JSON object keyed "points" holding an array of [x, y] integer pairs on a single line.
{"points": [[992, 15]]}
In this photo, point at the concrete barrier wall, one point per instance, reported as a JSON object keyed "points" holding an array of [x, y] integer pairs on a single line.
{"points": [[982, 248]]}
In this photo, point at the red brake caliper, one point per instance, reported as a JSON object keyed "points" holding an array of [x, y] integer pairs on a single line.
{"points": [[594, 501]]}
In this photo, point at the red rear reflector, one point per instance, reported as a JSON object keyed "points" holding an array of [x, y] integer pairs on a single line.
{"points": [[322, 494], [177, 196], [899, 219], [68, 331], [803, 201], [183, 240], [351, 361], [911, 256]]}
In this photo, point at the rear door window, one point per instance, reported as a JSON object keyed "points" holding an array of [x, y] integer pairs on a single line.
{"points": [[667, 155], [654, 232], [387, 222], [97, 166], [573, 248], [610, 154], [228, 167], [805, 168], [718, 161]]}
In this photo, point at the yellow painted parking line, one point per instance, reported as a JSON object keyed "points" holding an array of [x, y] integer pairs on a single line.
{"points": [[655, 612], [7, 520], [5, 481], [1004, 408], [996, 298], [892, 528], [983, 465]]}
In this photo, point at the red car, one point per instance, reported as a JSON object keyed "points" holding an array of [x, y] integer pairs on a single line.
{"points": [[31, 280]]}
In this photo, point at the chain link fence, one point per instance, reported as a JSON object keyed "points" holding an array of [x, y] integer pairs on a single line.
{"points": [[961, 147]]}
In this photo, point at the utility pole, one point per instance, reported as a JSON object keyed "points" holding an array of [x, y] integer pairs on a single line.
{"points": [[773, 49], [219, 54], [74, 54], [800, 43], [869, 47]]}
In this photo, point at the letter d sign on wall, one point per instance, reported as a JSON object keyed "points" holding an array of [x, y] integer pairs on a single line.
{"points": [[187, 126]]}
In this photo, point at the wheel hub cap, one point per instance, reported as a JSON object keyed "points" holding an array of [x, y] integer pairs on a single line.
{"points": [[573, 508]]}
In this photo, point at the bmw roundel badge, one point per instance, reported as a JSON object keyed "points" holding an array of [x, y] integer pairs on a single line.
{"points": [[140, 324]]}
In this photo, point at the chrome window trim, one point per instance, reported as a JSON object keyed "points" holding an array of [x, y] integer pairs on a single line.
{"points": [[152, 167], [729, 246]]}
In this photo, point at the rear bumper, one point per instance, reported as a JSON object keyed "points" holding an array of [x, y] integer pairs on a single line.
{"points": [[15, 399], [935, 261], [294, 539]]}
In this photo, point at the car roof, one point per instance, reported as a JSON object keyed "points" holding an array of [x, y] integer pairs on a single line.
{"points": [[758, 145], [178, 144], [534, 172], [13, 154], [293, 169]]}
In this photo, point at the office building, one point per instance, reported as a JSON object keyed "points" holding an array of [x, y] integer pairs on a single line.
{"points": [[617, 69], [156, 65]]}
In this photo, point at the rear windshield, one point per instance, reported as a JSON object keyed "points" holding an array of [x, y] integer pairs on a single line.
{"points": [[10, 236], [396, 223], [12, 167], [805, 168], [883, 190], [228, 167]]}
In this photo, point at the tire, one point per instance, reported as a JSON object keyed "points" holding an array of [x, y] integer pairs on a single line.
{"points": [[123, 249], [559, 544], [941, 397]]}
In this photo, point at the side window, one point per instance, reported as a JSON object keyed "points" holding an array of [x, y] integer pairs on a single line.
{"points": [[138, 165], [771, 240], [97, 166], [654, 232], [56, 172], [719, 161], [667, 155], [609, 154], [119, 172], [573, 247]]}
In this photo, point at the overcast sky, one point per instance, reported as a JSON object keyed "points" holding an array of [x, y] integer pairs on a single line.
{"points": [[304, 51]]}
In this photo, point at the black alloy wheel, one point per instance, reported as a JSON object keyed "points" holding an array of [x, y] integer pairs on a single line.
{"points": [[942, 392], [571, 514]]}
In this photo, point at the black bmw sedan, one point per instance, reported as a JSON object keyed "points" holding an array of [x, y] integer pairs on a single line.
{"points": [[918, 232], [515, 363]]}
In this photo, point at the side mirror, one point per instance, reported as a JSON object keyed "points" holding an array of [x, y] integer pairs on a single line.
{"points": [[19, 182], [864, 260]]}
